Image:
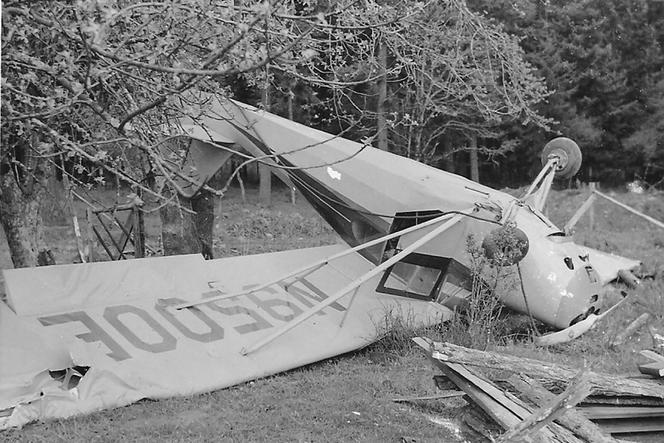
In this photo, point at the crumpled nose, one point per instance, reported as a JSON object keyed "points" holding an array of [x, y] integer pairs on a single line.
{"points": [[580, 297]]}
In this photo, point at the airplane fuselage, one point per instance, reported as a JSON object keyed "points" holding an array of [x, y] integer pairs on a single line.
{"points": [[365, 193]]}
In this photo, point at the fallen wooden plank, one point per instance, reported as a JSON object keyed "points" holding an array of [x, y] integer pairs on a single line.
{"points": [[652, 355], [654, 369], [606, 412], [631, 425], [622, 401], [634, 326], [577, 390], [442, 395], [581, 426], [501, 414], [503, 410], [656, 365], [602, 384], [516, 407]]}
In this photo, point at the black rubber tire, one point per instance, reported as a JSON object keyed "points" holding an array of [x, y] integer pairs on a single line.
{"points": [[569, 154]]}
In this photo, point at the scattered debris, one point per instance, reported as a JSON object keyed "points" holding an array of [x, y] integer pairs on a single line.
{"points": [[552, 403], [628, 277], [447, 394], [636, 187], [573, 420], [632, 328], [656, 365], [657, 339], [577, 390]]}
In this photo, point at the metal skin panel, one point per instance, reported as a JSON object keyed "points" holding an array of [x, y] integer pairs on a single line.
{"points": [[139, 348]]}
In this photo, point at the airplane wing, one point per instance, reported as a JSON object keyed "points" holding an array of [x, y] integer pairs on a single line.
{"points": [[80, 338]]}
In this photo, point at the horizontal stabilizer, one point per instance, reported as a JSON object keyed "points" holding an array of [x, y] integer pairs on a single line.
{"points": [[609, 265]]}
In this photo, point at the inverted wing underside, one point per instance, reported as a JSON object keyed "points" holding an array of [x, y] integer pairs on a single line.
{"points": [[79, 338]]}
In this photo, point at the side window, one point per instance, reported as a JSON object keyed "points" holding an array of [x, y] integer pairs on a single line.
{"points": [[416, 276], [421, 276], [403, 220]]}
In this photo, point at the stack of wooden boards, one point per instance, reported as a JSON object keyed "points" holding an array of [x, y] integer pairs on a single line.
{"points": [[532, 400]]}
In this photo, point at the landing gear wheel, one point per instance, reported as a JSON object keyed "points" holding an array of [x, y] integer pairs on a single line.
{"points": [[568, 153]]}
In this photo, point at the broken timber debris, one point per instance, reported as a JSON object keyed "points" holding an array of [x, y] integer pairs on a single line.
{"points": [[506, 410], [573, 420], [589, 406], [447, 394], [551, 374], [656, 365], [577, 390], [632, 328], [657, 339]]}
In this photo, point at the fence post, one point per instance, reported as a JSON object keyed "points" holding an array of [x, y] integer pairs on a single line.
{"points": [[591, 215], [139, 234]]}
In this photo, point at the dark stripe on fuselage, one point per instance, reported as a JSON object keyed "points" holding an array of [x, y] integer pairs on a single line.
{"points": [[352, 222]]}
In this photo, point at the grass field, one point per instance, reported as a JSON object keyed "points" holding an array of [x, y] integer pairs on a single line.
{"points": [[349, 398]]}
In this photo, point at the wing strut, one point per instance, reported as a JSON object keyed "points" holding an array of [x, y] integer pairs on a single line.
{"points": [[319, 264], [356, 283]]}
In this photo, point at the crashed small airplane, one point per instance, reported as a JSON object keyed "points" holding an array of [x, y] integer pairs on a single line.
{"points": [[80, 338]]}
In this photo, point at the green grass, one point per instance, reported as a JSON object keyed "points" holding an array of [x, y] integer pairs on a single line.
{"points": [[343, 399], [250, 228], [349, 398]]}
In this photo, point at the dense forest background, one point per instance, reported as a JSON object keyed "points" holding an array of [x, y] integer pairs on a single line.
{"points": [[602, 62]]}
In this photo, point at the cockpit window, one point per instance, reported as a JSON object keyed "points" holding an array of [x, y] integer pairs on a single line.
{"points": [[403, 220], [416, 276], [428, 277], [421, 276]]}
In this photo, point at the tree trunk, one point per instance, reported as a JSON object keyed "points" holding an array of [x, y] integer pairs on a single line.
{"points": [[22, 190], [264, 174], [474, 160], [381, 120], [265, 184], [203, 204], [178, 227], [448, 156]]}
